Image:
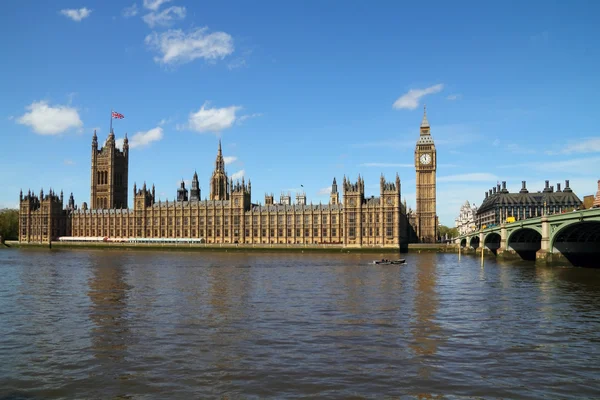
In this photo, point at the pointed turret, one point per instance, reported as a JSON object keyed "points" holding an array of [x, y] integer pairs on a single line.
{"points": [[334, 198], [219, 184], [424, 122], [71, 202], [195, 190]]}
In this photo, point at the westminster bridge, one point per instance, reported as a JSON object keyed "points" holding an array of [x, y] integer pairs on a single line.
{"points": [[572, 237]]}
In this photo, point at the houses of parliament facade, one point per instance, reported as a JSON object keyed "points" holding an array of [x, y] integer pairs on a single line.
{"points": [[228, 215]]}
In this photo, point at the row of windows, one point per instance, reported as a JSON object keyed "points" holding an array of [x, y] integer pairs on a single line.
{"points": [[389, 232], [209, 232], [192, 221], [102, 178]]}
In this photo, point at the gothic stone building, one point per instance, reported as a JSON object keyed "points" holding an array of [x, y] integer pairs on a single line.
{"points": [[499, 204], [227, 216]]}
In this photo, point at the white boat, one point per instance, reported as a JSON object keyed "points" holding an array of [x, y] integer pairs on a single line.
{"points": [[389, 262]]}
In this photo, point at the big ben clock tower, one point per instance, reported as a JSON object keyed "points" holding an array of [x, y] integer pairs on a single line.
{"points": [[426, 165]]}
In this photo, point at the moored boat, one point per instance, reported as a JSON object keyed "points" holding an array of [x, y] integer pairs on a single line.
{"points": [[389, 262]]}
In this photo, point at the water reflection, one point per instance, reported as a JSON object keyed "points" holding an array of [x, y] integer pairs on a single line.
{"points": [[108, 292], [425, 329]]}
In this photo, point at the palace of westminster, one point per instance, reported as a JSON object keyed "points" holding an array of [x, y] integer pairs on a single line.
{"points": [[229, 215]]}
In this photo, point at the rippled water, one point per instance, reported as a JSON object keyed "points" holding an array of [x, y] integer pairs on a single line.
{"points": [[108, 324]]}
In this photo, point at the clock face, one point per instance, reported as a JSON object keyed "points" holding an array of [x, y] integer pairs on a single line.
{"points": [[425, 158], [352, 202], [389, 200]]}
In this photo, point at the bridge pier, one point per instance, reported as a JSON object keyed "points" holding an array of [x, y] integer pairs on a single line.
{"points": [[502, 249], [544, 254]]}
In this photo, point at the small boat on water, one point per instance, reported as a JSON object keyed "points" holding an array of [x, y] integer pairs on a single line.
{"points": [[389, 262]]}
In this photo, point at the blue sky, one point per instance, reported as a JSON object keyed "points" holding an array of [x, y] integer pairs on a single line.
{"points": [[300, 92]]}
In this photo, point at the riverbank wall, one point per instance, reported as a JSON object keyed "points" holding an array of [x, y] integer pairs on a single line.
{"points": [[411, 248]]}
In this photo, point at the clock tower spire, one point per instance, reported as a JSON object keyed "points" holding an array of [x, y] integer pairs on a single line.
{"points": [[426, 166]]}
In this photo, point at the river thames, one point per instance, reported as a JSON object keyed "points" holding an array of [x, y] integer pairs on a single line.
{"points": [[112, 324]]}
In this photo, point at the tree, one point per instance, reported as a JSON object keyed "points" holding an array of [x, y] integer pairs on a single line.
{"points": [[443, 230], [9, 224]]}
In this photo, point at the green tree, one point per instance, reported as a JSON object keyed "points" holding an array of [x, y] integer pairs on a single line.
{"points": [[9, 224], [443, 230]]}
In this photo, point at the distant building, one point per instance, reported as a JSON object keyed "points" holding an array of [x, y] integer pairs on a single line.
{"points": [[499, 205], [597, 200], [588, 202], [466, 220]]}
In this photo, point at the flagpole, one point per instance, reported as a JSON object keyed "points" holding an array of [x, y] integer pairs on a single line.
{"points": [[111, 111]]}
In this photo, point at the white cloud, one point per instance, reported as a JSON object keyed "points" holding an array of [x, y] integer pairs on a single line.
{"points": [[238, 175], [587, 145], [177, 47], [473, 177], [76, 15], [229, 160], [164, 18], [69, 162], [411, 99], [142, 138], [242, 118], [154, 4], [324, 191], [453, 97], [130, 11], [50, 120], [386, 165], [212, 119]]}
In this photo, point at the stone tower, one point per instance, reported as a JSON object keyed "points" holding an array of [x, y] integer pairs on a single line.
{"points": [[334, 198], [219, 185], [426, 165], [195, 190], [110, 168], [182, 192], [354, 197]]}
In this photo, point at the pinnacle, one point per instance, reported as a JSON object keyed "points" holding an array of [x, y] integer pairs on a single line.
{"points": [[424, 122]]}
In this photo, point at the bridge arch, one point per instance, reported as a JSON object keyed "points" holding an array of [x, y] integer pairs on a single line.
{"points": [[474, 242], [492, 241], [525, 242], [463, 242], [578, 242]]}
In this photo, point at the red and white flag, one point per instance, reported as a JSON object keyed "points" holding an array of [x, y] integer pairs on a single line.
{"points": [[117, 115]]}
